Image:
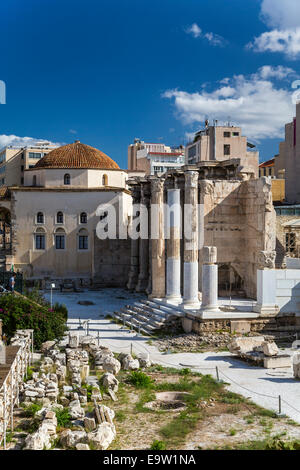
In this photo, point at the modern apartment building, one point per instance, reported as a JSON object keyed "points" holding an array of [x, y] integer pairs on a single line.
{"points": [[14, 160], [154, 159], [221, 143]]}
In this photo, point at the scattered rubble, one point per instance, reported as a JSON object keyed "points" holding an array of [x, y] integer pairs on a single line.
{"points": [[260, 351]]}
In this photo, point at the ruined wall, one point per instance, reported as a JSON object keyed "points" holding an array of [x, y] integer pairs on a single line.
{"points": [[239, 219]]}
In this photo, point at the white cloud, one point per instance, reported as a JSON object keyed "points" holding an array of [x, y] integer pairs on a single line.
{"points": [[284, 18], [253, 102], [212, 38], [194, 30], [17, 141], [281, 14], [285, 41], [279, 72]]}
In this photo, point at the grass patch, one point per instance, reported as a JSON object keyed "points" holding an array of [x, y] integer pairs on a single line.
{"points": [[158, 445], [31, 410], [63, 417], [140, 380]]}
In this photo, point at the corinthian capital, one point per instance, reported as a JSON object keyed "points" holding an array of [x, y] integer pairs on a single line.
{"points": [[191, 179]]}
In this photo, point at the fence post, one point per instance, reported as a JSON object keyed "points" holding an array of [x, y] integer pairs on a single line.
{"points": [[279, 404], [217, 373]]}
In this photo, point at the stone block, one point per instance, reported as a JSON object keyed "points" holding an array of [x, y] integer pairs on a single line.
{"points": [[187, 325], [240, 326], [277, 361]]}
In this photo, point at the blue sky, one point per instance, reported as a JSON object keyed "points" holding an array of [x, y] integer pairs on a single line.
{"points": [[107, 71]]}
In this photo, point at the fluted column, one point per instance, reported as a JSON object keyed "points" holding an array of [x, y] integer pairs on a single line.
{"points": [[190, 267], [173, 247], [157, 239], [142, 283], [134, 247], [210, 279]]}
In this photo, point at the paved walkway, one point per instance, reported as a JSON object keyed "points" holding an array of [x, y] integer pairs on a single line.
{"points": [[260, 385]]}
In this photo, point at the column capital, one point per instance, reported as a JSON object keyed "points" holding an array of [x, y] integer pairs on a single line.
{"points": [[209, 254], [157, 184], [191, 178]]}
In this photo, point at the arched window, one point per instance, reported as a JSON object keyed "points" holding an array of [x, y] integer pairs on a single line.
{"points": [[104, 180], [83, 218], [34, 180], [59, 218], [40, 218], [40, 239], [83, 240], [67, 179], [60, 239]]}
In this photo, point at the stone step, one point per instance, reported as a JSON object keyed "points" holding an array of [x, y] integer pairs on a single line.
{"points": [[148, 313], [138, 326], [143, 318]]}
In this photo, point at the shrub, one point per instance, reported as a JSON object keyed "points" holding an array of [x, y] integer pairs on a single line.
{"points": [[140, 379], [30, 410], [63, 417], [158, 445], [19, 312]]}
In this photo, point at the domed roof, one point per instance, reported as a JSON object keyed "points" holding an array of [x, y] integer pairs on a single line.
{"points": [[77, 155]]}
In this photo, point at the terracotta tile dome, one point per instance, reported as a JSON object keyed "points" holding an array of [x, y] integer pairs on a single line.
{"points": [[77, 155]]}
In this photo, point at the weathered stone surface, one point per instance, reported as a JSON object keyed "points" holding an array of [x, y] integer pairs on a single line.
{"points": [[112, 365], [240, 326], [144, 361], [103, 436], [277, 361], [45, 347], [89, 424], [109, 381], [128, 363], [245, 344], [75, 410], [80, 446], [270, 349], [39, 440], [70, 438], [73, 340]]}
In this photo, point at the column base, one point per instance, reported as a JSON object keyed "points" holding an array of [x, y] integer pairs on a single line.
{"points": [[211, 308], [191, 305], [173, 300], [266, 310], [141, 285]]}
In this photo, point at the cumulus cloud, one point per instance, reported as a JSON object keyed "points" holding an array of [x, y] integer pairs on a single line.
{"points": [[17, 141], [282, 14], [286, 41], [283, 17], [253, 102], [212, 38], [279, 72]]}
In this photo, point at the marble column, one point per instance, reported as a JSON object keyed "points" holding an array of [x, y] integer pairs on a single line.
{"points": [[142, 283], [210, 279], [134, 247], [266, 284], [190, 266], [173, 247], [157, 239]]}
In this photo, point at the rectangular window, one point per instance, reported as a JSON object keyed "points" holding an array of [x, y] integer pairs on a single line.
{"points": [[235, 134], [226, 134], [40, 242], [83, 242], [290, 242], [34, 155], [60, 242], [226, 149]]}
